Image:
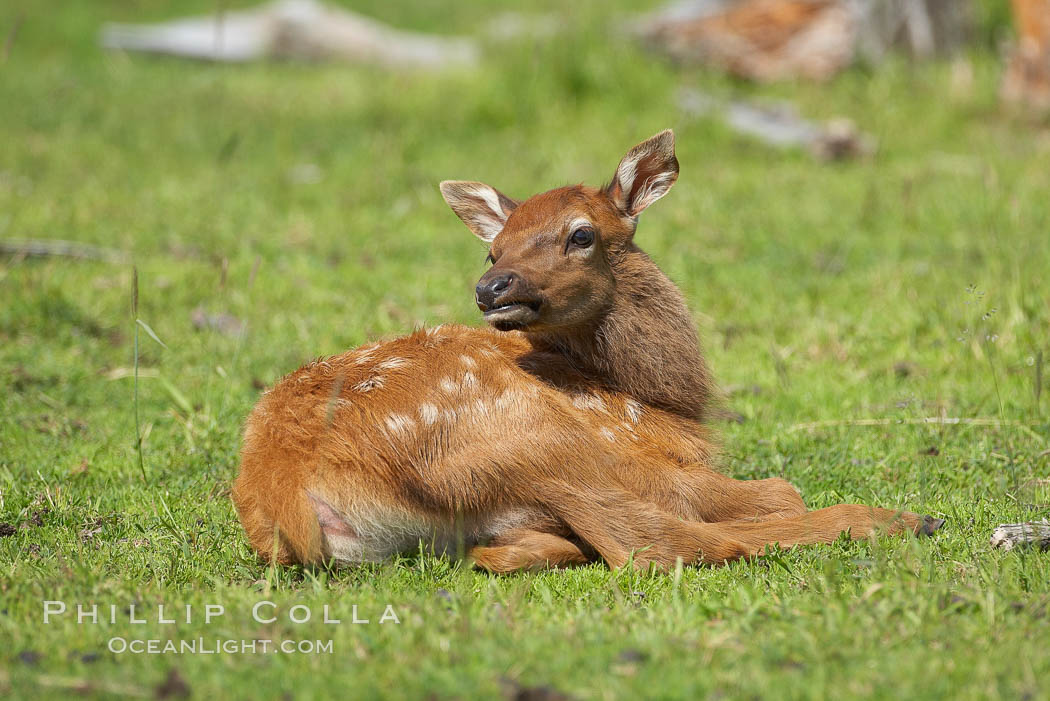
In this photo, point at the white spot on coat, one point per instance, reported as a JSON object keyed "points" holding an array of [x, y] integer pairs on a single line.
{"points": [[508, 398], [428, 413], [634, 410], [399, 424], [468, 361], [364, 356], [607, 434], [391, 363], [588, 401]]}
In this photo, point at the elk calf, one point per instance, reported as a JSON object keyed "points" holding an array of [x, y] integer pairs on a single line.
{"points": [[569, 429]]}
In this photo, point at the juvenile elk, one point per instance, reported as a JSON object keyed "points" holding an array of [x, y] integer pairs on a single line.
{"points": [[571, 429]]}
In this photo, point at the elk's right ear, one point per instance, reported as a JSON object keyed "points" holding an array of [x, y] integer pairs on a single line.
{"points": [[645, 174], [482, 208]]}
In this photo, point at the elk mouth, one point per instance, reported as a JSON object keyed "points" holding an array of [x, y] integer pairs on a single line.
{"points": [[508, 316]]}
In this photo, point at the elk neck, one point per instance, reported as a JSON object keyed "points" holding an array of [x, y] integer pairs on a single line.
{"points": [[645, 344]]}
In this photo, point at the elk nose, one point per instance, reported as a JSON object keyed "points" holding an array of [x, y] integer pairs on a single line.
{"points": [[489, 289]]}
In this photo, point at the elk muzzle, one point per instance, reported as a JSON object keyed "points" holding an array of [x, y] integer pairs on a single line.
{"points": [[506, 300]]}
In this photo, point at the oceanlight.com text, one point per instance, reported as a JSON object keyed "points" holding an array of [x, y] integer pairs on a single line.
{"points": [[217, 646]]}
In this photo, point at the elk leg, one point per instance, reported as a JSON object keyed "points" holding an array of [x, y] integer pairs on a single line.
{"points": [[766, 499], [762, 499], [714, 497], [619, 517], [697, 493], [826, 526], [526, 549], [589, 499], [620, 527]]}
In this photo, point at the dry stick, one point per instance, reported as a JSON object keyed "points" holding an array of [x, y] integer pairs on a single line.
{"points": [[995, 380], [1038, 379], [87, 686], [946, 420], [45, 248], [1032, 433], [135, 313], [10, 41]]}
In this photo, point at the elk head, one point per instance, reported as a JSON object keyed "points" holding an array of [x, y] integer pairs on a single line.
{"points": [[554, 256]]}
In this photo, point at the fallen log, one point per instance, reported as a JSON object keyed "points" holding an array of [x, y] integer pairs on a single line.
{"points": [[780, 125], [1032, 534], [296, 29]]}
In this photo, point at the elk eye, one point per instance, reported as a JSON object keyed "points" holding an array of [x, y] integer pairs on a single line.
{"points": [[582, 237]]}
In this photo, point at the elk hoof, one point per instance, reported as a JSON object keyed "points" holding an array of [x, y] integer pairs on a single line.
{"points": [[930, 524]]}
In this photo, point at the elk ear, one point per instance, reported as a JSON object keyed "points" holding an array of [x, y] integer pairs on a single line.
{"points": [[645, 174], [482, 208]]}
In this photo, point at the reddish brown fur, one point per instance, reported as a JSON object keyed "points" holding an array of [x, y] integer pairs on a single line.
{"points": [[1027, 76], [576, 435]]}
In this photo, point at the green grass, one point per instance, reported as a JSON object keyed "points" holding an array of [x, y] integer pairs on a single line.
{"points": [[914, 284]]}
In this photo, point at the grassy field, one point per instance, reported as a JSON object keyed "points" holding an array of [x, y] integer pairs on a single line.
{"points": [[301, 201]]}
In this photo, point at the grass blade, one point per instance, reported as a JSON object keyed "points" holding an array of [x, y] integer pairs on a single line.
{"points": [[151, 333]]}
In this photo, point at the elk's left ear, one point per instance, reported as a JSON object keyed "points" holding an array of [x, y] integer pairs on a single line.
{"points": [[482, 208], [645, 174]]}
